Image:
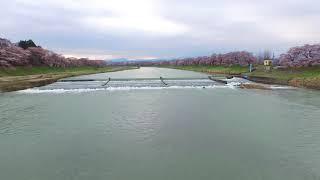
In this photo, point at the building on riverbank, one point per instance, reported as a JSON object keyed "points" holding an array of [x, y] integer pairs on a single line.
{"points": [[267, 64]]}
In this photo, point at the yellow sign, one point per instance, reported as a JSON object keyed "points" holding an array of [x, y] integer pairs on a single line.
{"points": [[267, 62]]}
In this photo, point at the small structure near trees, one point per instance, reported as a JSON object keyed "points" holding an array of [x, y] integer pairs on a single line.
{"points": [[267, 62]]}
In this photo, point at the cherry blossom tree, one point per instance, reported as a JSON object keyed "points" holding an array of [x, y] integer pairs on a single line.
{"points": [[31, 55], [301, 56]]}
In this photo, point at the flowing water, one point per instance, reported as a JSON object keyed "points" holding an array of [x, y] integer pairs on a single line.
{"points": [[137, 128]]}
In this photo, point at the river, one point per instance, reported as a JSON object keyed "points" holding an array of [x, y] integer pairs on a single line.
{"points": [[141, 129]]}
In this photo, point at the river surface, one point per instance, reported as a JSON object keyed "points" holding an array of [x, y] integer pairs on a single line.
{"points": [[142, 129]]}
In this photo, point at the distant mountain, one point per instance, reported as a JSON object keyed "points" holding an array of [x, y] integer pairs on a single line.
{"points": [[147, 60], [122, 61], [117, 60]]}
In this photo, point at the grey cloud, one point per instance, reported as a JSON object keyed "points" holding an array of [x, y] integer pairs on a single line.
{"points": [[213, 26]]}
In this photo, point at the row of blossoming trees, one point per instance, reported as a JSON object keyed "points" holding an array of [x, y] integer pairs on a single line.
{"points": [[12, 55], [232, 58], [306, 56], [28, 54], [301, 56]]}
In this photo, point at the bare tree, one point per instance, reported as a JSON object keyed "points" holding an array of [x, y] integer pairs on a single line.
{"points": [[266, 55]]}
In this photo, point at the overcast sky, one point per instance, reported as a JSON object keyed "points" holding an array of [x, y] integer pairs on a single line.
{"points": [[106, 29]]}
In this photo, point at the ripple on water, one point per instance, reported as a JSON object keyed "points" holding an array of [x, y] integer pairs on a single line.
{"points": [[18, 118], [304, 150]]}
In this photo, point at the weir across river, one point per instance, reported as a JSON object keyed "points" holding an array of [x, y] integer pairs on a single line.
{"points": [[149, 82], [130, 79]]}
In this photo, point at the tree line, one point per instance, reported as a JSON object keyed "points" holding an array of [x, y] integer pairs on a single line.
{"points": [[300, 56], [27, 53]]}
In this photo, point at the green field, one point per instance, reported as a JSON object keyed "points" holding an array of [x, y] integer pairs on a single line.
{"points": [[213, 69], [308, 77], [288, 74]]}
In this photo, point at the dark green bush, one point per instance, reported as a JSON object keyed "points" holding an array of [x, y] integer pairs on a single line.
{"points": [[26, 44]]}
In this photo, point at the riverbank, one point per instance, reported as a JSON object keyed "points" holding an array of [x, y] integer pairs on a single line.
{"points": [[297, 77], [28, 77]]}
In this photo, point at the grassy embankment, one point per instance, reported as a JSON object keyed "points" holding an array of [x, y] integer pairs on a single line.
{"points": [[298, 77], [27, 77], [237, 70], [308, 77]]}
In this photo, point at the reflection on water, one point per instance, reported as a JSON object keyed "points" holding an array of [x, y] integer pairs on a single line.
{"points": [[159, 132]]}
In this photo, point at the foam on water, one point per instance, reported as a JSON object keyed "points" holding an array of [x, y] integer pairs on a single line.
{"points": [[58, 91], [231, 85], [124, 88]]}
